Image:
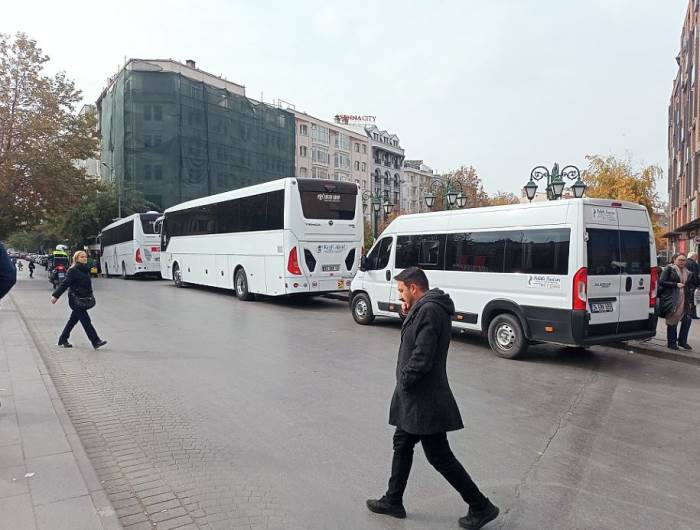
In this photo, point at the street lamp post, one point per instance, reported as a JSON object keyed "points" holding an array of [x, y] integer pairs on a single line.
{"points": [[555, 182], [450, 195], [119, 189], [375, 200]]}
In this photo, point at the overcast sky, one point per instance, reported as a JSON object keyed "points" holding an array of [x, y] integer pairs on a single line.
{"points": [[502, 85]]}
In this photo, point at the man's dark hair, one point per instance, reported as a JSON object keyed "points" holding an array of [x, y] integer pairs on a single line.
{"points": [[413, 276]]}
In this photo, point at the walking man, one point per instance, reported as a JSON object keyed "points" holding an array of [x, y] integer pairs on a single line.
{"points": [[31, 268], [423, 408], [8, 273]]}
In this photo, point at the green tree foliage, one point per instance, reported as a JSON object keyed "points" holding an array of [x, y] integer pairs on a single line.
{"points": [[614, 178], [369, 235], [40, 137]]}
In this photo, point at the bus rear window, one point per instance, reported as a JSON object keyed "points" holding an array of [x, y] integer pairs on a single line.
{"points": [[328, 205], [148, 223]]}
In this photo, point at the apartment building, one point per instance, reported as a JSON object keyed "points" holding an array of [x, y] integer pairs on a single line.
{"points": [[418, 178]]}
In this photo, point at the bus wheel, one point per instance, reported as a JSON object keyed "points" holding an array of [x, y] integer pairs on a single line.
{"points": [[362, 309], [177, 276], [241, 286], [506, 336]]}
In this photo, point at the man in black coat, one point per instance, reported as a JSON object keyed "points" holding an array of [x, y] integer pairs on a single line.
{"points": [[423, 408], [8, 273], [693, 282]]}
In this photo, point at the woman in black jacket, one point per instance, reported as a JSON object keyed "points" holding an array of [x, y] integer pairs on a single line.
{"points": [[80, 285], [675, 299]]}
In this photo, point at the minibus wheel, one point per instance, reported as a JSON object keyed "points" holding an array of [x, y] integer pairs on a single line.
{"points": [[241, 286], [362, 309], [506, 336]]}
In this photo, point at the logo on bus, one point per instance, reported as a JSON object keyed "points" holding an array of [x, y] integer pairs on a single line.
{"points": [[328, 197]]}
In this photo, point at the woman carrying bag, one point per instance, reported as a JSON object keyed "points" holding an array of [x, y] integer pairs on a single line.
{"points": [[675, 300], [80, 300]]}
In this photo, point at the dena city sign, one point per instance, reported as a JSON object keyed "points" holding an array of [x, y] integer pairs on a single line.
{"points": [[354, 118]]}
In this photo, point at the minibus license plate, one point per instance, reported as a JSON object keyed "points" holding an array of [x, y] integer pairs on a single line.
{"points": [[601, 307], [330, 268]]}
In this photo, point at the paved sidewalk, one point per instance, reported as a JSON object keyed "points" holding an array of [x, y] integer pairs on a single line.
{"points": [[656, 346], [46, 479]]}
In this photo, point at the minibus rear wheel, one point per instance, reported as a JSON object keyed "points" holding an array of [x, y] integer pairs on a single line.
{"points": [[506, 336], [362, 309]]}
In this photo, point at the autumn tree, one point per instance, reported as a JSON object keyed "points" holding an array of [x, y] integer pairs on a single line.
{"points": [[40, 136], [471, 186], [613, 178], [501, 198]]}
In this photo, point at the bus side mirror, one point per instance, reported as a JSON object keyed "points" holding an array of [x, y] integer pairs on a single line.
{"points": [[363, 263]]}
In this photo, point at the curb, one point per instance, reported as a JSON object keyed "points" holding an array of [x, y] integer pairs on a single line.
{"points": [[103, 506], [660, 354]]}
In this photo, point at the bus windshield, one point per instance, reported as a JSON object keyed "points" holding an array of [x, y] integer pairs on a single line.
{"points": [[328, 200]]}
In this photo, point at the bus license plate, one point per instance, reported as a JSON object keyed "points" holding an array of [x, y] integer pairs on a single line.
{"points": [[601, 307], [330, 268]]}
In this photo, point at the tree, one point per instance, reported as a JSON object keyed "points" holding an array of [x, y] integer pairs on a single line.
{"points": [[40, 137], [503, 197], [471, 186], [369, 235], [613, 178]]}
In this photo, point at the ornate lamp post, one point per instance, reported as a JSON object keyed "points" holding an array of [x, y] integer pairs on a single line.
{"points": [[377, 203], [555, 182], [450, 194]]}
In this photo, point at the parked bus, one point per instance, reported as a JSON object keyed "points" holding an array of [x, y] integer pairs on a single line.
{"points": [[131, 246], [286, 237], [575, 272]]}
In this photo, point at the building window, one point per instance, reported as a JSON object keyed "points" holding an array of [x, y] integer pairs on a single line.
{"points": [[342, 161], [364, 148], [303, 151], [303, 172], [357, 166], [158, 172], [303, 130], [320, 134], [342, 142], [320, 156], [364, 166], [319, 172], [357, 147]]}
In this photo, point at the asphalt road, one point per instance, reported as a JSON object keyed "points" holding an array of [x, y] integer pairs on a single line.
{"points": [[273, 414]]}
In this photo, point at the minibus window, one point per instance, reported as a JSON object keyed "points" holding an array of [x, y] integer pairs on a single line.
{"points": [[603, 252], [424, 251], [378, 258], [634, 251]]}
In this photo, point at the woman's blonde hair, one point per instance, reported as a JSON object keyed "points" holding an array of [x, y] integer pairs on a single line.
{"points": [[75, 256]]}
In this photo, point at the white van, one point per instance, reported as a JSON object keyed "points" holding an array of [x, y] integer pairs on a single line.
{"points": [[576, 272]]}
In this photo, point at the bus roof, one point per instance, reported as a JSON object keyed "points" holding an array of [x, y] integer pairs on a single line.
{"points": [[128, 218]]}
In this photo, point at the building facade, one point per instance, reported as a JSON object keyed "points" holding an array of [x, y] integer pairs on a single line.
{"points": [[175, 133], [329, 151], [684, 141], [417, 181]]}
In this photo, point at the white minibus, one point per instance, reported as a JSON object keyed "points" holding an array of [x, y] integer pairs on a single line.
{"points": [[131, 246], [285, 237], [575, 272]]}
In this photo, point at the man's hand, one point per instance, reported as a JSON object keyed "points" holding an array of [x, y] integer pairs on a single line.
{"points": [[405, 307], [54, 299]]}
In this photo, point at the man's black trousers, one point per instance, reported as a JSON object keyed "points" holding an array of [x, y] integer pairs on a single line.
{"points": [[79, 315], [437, 451]]}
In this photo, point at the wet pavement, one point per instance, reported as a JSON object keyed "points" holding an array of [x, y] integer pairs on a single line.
{"points": [[207, 412]]}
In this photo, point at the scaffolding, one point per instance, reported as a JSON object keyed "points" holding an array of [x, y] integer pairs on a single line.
{"points": [[176, 139]]}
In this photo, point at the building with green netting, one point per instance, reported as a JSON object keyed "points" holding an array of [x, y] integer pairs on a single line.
{"points": [[177, 133]]}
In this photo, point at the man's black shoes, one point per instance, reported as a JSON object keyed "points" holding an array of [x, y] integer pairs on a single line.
{"points": [[65, 344], [99, 344], [476, 519], [686, 346], [385, 507]]}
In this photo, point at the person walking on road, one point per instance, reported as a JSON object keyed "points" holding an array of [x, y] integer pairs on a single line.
{"points": [[675, 299], [8, 273], [694, 269], [31, 268], [423, 408], [80, 300]]}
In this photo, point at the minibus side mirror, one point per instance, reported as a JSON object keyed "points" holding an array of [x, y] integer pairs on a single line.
{"points": [[363, 263]]}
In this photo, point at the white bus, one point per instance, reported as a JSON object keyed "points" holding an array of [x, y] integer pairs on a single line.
{"points": [[131, 246], [285, 237], [575, 272]]}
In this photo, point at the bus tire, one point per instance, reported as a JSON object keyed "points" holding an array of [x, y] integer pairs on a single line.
{"points": [[240, 285], [362, 309], [506, 336], [177, 276]]}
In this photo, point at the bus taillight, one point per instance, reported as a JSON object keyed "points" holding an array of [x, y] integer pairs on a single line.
{"points": [[653, 286], [580, 296], [138, 256], [293, 262]]}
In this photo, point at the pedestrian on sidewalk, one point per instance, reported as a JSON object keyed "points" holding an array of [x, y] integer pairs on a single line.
{"points": [[31, 268], [675, 299], [423, 408], [692, 265], [80, 300], [8, 273]]}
